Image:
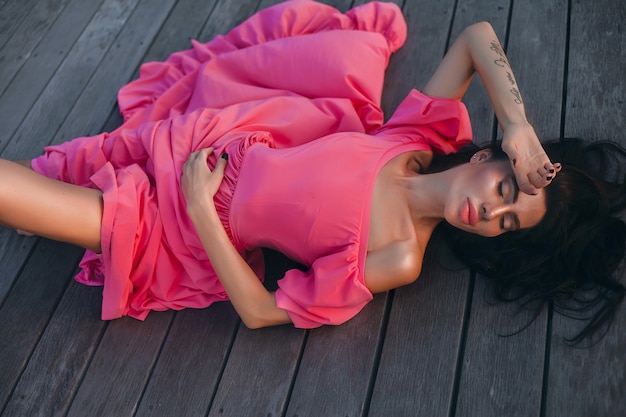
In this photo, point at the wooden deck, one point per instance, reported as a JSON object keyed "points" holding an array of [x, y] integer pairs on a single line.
{"points": [[430, 349]]}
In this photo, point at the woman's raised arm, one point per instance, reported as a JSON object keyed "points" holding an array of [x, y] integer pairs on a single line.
{"points": [[478, 50]]}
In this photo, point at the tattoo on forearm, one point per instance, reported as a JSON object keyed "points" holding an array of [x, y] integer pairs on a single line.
{"points": [[517, 95], [510, 77], [502, 62], [495, 47]]}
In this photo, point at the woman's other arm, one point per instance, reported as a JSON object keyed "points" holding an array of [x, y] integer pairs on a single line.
{"points": [[255, 305], [478, 50]]}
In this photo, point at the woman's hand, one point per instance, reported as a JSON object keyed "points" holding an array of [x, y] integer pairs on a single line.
{"points": [[253, 302], [198, 183], [531, 165]]}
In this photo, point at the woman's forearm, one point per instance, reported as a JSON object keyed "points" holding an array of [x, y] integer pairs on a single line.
{"points": [[478, 50], [492, 65], [255, 305]]}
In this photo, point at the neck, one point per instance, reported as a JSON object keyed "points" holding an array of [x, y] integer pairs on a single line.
{"points": [[427, 195]]}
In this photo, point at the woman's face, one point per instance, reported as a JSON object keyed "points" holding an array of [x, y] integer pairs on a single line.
{"points": [[484, 199]]}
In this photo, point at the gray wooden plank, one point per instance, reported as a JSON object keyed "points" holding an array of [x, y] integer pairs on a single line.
{"points": [[502, 372], [338, 361], [117, 375], [13, 12], [591, 381], [56, 367], [188, 368], [415, 62], [26, 310], [14, 250], [99, 96], [27, 83], [587, 381], [184, 22], [341, 5], [596, 107], [418, 362], [227, 15], [257, 378], [536, 50], [503, 376], [61, 93], [27, 36]]}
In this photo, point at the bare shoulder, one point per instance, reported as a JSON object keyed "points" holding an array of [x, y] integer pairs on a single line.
{"points": [[394, 265]]}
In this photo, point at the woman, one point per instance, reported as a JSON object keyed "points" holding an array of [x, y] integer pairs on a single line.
{"points": [[307, 168]]}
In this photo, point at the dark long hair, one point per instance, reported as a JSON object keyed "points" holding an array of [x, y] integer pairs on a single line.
{"points": [[574, 258]]}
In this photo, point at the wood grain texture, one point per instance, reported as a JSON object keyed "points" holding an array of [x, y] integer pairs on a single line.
{"points": [[502, 372], [594, 110], [54, 103], [536, 51], [337, 363], [596, 91], [29, 79], [92, 107], [121, 366], [188, 368], [13, 13], [418, 364], [260, 370], [55, 369], [412, 66], [28, 307]]}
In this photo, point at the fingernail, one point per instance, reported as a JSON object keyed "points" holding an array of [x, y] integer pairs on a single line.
{"points": [[551, 171], [225, 156], [549, 178]]}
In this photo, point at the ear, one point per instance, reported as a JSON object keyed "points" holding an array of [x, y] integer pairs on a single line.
{"points": [[481, 156]]}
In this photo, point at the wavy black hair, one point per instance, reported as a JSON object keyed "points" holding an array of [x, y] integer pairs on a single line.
{"points": [[574, 258]]}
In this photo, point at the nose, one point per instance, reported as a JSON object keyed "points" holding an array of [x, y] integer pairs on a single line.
{"points": [[492, 211]]}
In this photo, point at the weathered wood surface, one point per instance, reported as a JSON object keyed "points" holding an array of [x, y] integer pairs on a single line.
{"points": [[430, 349]]}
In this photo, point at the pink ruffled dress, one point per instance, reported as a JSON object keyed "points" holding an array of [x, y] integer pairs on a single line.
{"points": [[292, 95]]}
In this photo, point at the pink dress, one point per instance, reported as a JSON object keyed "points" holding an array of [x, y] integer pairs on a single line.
{"points": [[292, 94]]}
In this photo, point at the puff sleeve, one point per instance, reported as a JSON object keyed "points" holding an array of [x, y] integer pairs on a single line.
{"points": [[330, 292], [442, 124]]}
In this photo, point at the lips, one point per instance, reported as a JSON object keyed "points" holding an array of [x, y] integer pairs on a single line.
{"points": [[469, 215], [473, 214]]}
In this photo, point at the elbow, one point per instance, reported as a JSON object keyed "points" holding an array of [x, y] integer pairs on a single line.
{"points": [[253, 323], [480, 27], [479, 31], [261, 318]]}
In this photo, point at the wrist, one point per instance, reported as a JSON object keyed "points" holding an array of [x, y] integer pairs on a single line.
{"points": [[518, 125], [202, 210]]}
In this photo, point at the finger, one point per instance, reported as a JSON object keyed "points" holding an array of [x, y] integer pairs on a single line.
{"points": [[537, 180], [203, 154], [525, 185], [220, 166], [557, 166]]}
